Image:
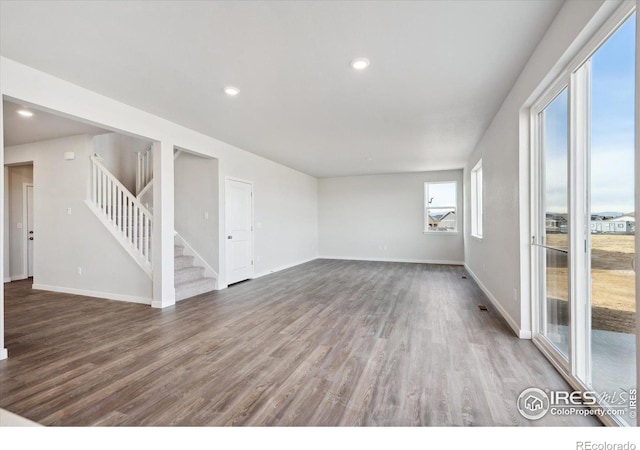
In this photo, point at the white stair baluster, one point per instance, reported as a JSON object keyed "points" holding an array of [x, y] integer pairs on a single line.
{"points": [[129, 220]]}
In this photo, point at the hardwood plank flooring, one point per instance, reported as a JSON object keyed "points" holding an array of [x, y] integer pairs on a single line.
{"points": [[326, 343]]}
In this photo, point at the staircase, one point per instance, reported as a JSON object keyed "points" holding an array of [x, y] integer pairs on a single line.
{"points": [[131, 223], [189, 279], [121, 213]]}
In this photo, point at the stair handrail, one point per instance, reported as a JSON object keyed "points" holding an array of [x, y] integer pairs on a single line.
{"points": [[133, 222]]}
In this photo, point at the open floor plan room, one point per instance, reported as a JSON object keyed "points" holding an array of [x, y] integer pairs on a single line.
{"points": [[344, 214]]}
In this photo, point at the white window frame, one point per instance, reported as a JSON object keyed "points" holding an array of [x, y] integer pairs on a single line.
{"points": [[426, 207], [477, 203]]}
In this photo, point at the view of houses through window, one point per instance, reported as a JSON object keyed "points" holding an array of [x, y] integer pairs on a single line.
{"points": [[440, 206]]}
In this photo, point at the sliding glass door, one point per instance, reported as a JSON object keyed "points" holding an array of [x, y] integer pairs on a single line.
{"points": [[552, 244], [583, 242], [612, 218]]}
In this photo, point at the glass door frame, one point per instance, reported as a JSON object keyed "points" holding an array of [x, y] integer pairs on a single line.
{"points": [[538, 215], [576, 79]]}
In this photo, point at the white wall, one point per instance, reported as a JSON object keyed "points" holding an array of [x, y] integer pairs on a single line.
{"points": [[196, 193], [381, 217], [285, 211], [120, 156], [65, 242], [500, 261], [18, 176]]}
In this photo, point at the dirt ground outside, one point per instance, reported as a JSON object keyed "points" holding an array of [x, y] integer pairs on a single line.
{"points": [[612, 279]]}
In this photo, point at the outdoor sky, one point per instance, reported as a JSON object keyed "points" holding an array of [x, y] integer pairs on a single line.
{"points": [[612, 130]]}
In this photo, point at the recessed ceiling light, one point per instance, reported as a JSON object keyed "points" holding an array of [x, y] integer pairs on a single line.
{"points": [[25, 113], [360, 63], [231, 91]]}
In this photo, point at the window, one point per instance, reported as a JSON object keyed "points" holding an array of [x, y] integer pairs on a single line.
{"points": [[476, 200], [440, 207]]}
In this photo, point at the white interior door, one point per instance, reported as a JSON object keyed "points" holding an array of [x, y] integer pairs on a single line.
{"points": [[30, 231], [239, 230]]}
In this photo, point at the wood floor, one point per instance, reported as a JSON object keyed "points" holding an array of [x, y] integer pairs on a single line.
{"points": [[325, 343]]}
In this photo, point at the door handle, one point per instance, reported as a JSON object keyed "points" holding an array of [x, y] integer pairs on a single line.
{"points": [[31, 239], [30, 232], [229, 237]]}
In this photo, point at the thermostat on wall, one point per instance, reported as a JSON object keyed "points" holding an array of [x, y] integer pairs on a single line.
{"points": [[69, 155]]}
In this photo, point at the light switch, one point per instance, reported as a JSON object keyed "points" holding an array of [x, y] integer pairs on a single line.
{"points": [[206, 215], [69, 211]]}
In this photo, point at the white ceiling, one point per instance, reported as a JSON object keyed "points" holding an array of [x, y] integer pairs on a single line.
{"points": [[439, 71], [40, 127]]}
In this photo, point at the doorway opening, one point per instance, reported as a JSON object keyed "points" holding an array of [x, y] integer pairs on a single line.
{"points": [[20, 233]]}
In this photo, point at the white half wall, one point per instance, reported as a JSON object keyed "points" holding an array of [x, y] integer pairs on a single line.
{"points": [[501, 260], [73, 251], [381, 217]]}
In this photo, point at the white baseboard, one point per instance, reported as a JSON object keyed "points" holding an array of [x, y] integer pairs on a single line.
{"points": [[160, 305], [7, 279], [503, 312], [96, 294], [4, 354], [399, 260], [278, 269], [19, 277], [525, 334]]}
